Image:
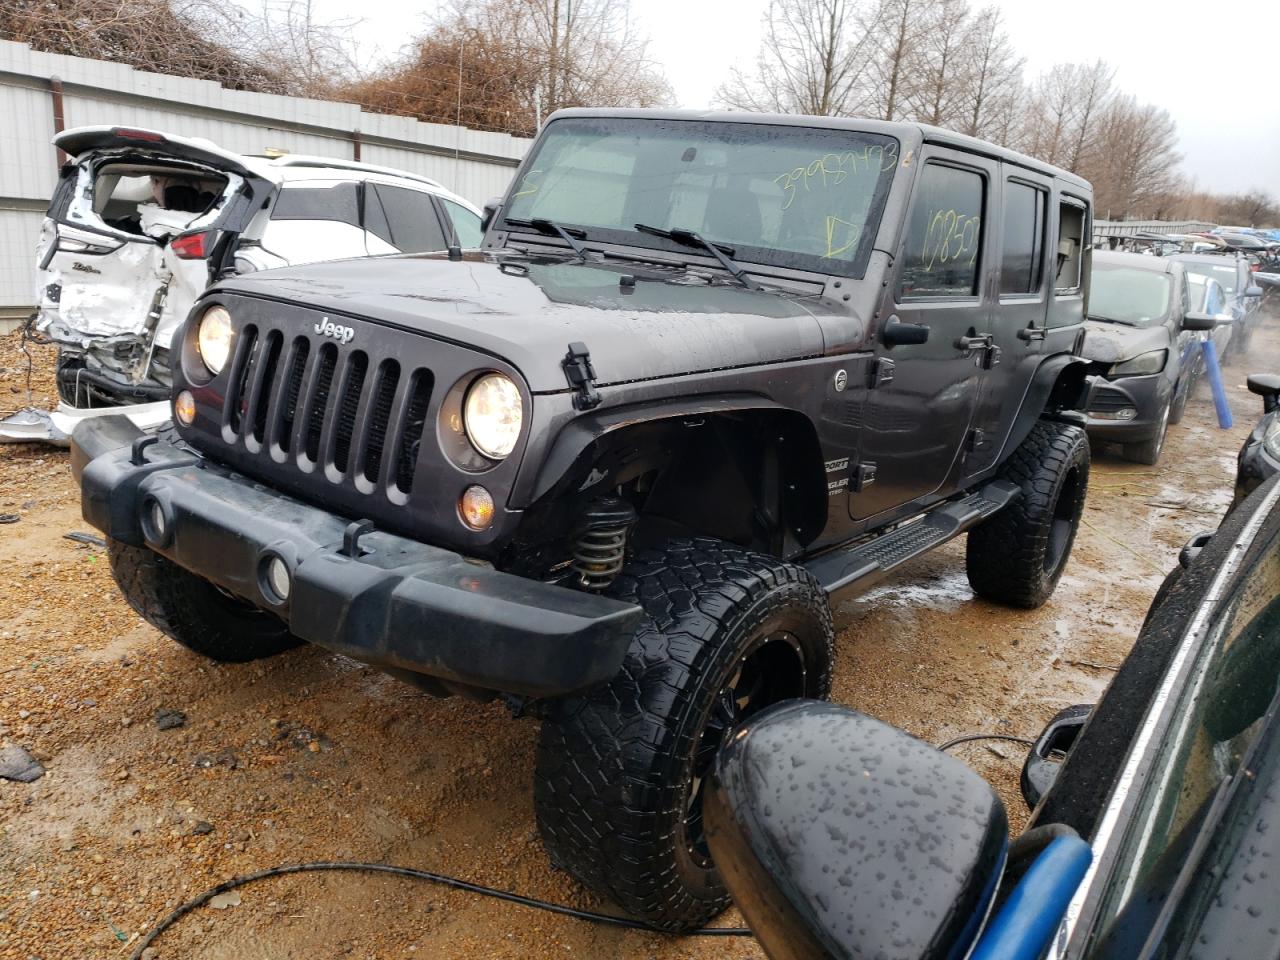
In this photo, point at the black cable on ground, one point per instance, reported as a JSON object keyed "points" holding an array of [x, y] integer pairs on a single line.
{"points": [[196, 902], [985, 736]]}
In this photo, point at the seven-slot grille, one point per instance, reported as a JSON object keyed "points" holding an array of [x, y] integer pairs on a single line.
{"points": [[321, 406]]}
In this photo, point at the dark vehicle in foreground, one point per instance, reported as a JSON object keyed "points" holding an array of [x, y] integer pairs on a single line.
{"points": [[1145, 317], [1243, 295], [708, 371], [1154, 829]]}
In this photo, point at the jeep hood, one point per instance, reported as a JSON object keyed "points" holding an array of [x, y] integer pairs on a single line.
{"points": [[528, 312], [1115, 343]]}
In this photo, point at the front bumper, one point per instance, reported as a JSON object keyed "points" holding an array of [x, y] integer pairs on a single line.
{"points": [[1145, 395], [387, 600]]}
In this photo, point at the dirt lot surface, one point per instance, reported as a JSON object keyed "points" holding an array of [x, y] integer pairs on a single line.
{"points": [[310, 756]]}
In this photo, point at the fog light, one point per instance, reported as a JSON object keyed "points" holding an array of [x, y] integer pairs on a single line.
{"points": [[476, 507], [1124, 413], [184, 407], [278, 578], [155, 513]]}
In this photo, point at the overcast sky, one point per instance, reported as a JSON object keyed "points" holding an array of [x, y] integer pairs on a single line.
{"points": [[1215, 66]]}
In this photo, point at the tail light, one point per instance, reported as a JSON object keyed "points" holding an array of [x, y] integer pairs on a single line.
{"points": [[192, 246], [146, 136]]}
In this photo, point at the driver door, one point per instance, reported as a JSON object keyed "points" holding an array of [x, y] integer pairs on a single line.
{"points": [[922, 400]]}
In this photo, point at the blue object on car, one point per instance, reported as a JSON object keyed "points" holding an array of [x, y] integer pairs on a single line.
{"points": [[1027, 920]]}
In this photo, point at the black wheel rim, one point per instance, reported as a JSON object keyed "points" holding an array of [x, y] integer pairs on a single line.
{"points": [[1063, 524], [771, 670]]}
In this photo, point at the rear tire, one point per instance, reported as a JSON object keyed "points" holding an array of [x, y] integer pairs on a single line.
{"points": [[620, 768], [194, 612], [1017, 556]]}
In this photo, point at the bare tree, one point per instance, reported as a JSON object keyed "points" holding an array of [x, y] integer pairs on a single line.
{"points": [[506, 64], [940, 65], [993, 78], [902, 24], [1136, 161], [813, 60], [1093, 93], [281, 48]]}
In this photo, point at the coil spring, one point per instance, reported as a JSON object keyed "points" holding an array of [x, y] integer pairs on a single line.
{"points": [[598, 556]]}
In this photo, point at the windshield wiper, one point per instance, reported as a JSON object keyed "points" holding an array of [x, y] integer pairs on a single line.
{"points": [[568, 235], [689, 238], [1099, 317]]}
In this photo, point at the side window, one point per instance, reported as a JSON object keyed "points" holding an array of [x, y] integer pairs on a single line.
{"points": [[410, 214], [375, 221], [1022, 252], [944, 237], [1070, 251], [465, 224], [330, 201]]}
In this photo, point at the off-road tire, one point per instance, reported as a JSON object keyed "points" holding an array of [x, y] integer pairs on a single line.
{"points": [[615, 766], [1017, 556], [193, 611]]}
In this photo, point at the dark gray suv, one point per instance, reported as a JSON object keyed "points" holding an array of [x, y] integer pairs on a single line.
{"points": [[708, 371]]}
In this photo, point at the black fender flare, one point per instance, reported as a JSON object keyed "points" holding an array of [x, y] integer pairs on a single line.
{"points": [[1059, 386], [579, 435]]}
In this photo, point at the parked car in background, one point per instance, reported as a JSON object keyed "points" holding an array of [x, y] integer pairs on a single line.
{"points": [[1242, 295], [142, 222], [1153, 829], [1144, 318]]}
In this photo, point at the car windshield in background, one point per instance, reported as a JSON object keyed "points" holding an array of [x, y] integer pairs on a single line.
{"points": [[1225, 275], [1130, 296], [783, 195]]}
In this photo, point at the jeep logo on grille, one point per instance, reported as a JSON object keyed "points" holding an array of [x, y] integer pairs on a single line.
{"points": [[327, 328]]}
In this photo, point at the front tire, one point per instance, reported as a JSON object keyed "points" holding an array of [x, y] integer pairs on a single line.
{"points": [[620, 769], [194, 612], [1017, 556], [1148, 451]]}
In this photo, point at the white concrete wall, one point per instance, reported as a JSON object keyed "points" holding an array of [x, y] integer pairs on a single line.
{"points": [[478, 165]]}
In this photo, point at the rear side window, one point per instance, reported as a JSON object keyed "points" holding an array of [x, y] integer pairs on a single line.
{"points": [[1070, 247], [944, 237], [465, 224], [412, 219], [331, 201], [1022, 252]]}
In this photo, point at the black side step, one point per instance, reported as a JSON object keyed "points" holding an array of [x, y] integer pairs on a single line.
{"points": [[848, 571]]}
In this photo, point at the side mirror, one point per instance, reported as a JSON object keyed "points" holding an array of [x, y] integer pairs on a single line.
{"points": [[840, 836], [1267, 386], [1253, 291], [1198, 320], [490, 211], [1044, 760], [899, 334]]}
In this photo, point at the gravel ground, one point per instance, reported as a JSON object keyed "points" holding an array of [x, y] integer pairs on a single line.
{"points": [[310, 756]]}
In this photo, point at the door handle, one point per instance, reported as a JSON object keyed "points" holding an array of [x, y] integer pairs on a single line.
{"points": [[1032, 333], [974, 343]]}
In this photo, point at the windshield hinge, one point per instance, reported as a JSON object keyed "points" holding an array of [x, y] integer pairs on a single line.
{"points": [[581, 376]]}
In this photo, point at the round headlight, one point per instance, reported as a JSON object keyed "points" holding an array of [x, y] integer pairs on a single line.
{"points": [[213, 338], [492, 415]]}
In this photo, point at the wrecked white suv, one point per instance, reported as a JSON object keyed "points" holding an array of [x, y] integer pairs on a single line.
{"points": [[142, 222]]}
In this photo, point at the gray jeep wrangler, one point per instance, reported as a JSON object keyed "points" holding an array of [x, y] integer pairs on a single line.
{"points": [[709, 372]]}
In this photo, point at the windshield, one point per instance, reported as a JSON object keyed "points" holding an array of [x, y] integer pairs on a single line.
{"points": [[788, 196], [1225, 274], [1129, 295]]}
